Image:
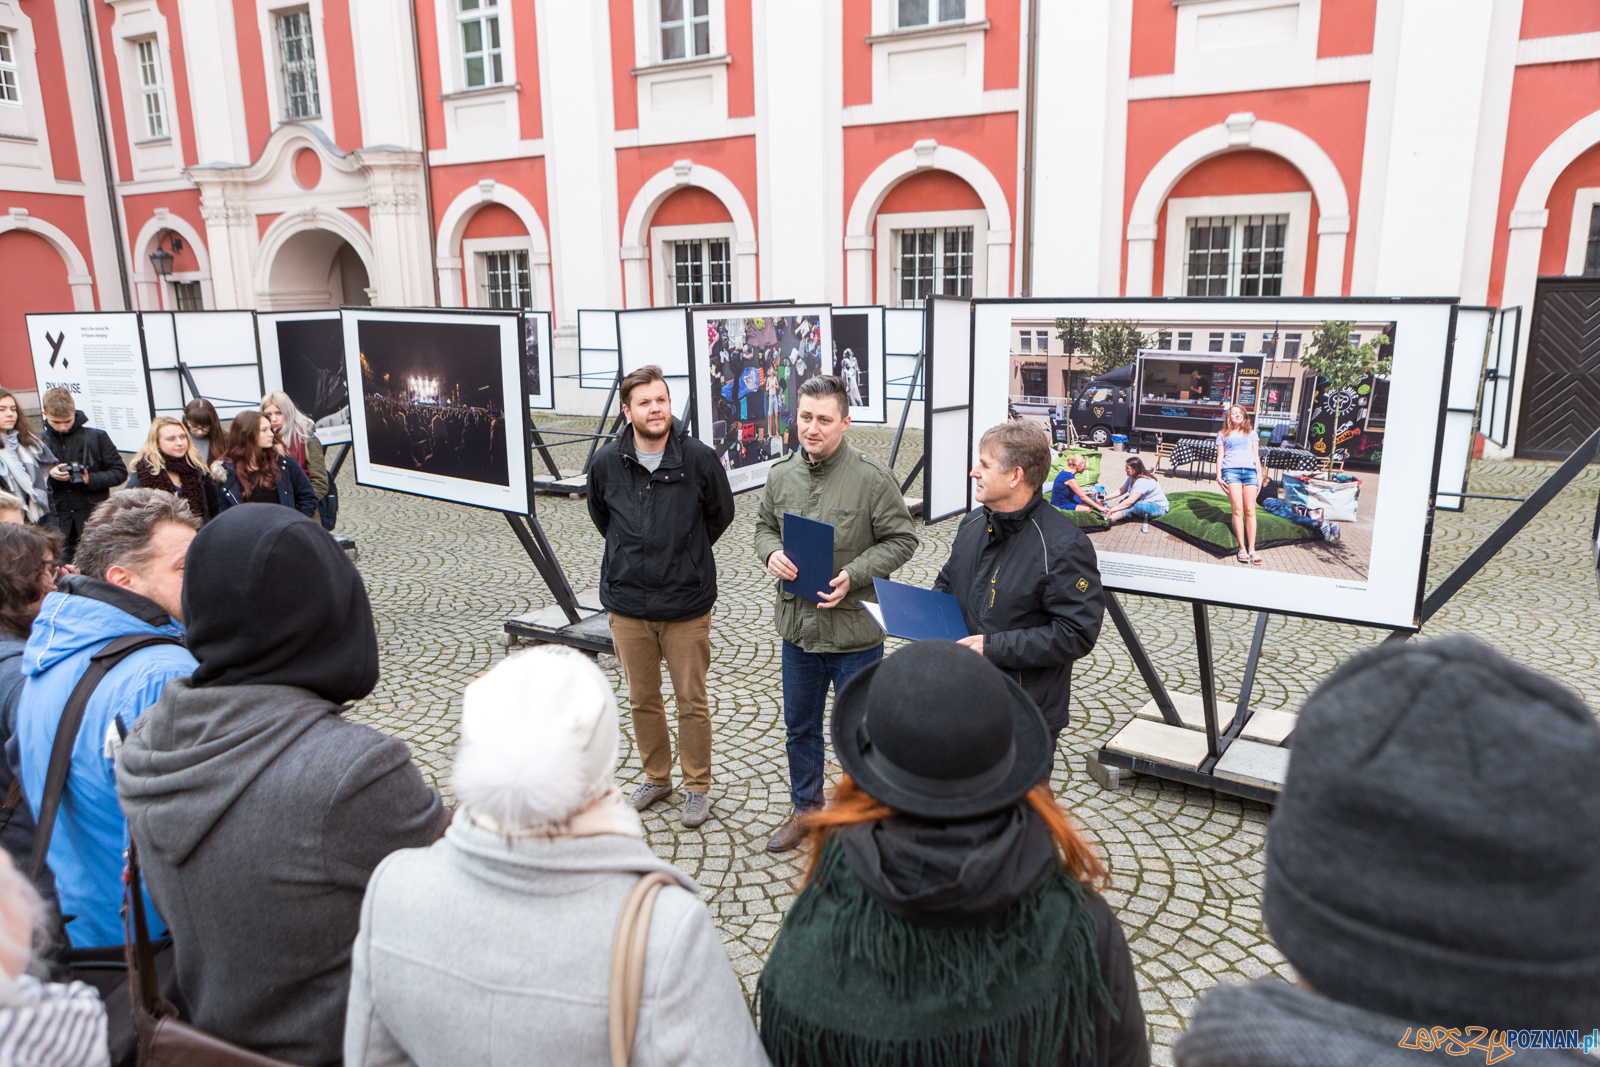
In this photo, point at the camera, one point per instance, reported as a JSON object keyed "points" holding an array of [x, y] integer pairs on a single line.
{"points": [[77, 474]]}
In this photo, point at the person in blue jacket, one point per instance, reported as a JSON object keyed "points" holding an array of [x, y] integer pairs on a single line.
{"points": [[255, 471], [131, 556], [1067, 494]]}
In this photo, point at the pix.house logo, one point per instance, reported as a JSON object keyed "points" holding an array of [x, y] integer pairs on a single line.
{"points": [[55, 347]]}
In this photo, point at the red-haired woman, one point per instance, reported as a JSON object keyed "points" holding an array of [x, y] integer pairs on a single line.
{"points": [[254, 471], [950, 912]]}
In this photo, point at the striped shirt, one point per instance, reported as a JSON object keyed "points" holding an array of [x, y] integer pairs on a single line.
{"points": [[45, 1024]]}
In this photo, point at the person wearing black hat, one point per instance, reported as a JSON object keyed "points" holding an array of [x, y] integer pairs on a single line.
{"points": [[258, 812], [1433, 863], [950, 912], [1026, 577]]}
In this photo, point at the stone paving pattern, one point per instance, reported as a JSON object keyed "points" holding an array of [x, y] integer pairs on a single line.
{"points": [[1187, 865]]}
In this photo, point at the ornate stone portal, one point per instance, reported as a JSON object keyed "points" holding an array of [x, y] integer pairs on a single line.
{"points": [[309, 226]]}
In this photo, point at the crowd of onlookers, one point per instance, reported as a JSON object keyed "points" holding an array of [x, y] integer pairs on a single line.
{"points": [[1431, 868]]}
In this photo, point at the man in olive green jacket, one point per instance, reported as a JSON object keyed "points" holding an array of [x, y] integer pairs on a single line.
{"points": [[873, 536]]}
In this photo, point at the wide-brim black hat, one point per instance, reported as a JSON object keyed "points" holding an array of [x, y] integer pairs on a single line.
{"points": [[939, 706]]}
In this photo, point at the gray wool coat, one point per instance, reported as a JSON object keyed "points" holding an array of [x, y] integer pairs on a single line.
{"points": [[491, 950], [260, 814]]}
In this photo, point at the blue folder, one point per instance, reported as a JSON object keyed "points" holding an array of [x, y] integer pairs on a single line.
{"points": [[918, 614], [809, 546]]}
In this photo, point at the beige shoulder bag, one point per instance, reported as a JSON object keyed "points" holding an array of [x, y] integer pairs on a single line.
{"points": [[627, 962]]}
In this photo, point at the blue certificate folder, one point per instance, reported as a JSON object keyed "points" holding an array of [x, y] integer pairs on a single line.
{"points": [[809, 546], [918, 614]]}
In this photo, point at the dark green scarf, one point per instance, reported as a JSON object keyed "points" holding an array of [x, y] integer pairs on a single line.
{"points": [[849, 985]]}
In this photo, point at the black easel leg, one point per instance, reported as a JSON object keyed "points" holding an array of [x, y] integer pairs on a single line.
{"points": [[1247, 687], [1141, 659], [538, 442], [1208, 691], [600, 427], [534, 542], [911, 391], [915, 470], [338, 461], [1580, 458]]}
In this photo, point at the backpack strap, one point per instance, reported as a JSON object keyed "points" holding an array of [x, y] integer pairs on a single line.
{"points": [[55, 782], [627, 962]]}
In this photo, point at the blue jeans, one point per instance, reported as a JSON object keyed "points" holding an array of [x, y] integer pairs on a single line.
{"points": [[805, 693], [1147, 509], [1241, 476]]}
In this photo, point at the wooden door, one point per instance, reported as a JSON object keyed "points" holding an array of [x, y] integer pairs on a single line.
{"points": [[1561, 397]]}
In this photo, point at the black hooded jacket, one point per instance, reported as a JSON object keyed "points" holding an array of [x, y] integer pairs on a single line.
{"points": [[258, 811], [104, 469], [659, 527], [1029, 583]]}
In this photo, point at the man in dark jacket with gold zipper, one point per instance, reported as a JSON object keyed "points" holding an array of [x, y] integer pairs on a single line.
{"points": [[1026, 576], [660, 499]]}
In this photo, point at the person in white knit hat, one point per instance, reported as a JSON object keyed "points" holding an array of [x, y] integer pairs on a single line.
{"points": [[498, 937]]}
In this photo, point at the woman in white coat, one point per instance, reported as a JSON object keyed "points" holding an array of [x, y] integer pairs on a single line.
{"points": [[495, 943]]}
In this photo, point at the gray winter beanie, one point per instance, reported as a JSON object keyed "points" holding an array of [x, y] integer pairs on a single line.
{"points": [[1436, 853]]}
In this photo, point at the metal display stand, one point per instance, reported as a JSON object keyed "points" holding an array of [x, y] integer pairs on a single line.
{"points": [[576, 619], [1264, 771], [913, 504]]}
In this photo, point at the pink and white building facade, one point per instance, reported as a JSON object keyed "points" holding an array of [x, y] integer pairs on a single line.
{"points": [[631, 153]]}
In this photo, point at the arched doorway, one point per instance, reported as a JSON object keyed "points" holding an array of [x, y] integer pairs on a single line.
{"points": [[316, 269]]}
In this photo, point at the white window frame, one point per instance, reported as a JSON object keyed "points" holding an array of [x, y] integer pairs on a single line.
{"points": [[485, 10], [687, 23], [267, 12], [148, 76], [662, 238], [647, 45], [703, 244], [153, 158], [933, 19], [483, 274], [887, 246], [315, 86], [1179, 210], [10, 70], [1583, 203], [475, 266]]}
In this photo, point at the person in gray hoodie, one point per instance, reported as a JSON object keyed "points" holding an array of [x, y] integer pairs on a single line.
{"points": [[1431, 873], [494, 945], [258, 812]]}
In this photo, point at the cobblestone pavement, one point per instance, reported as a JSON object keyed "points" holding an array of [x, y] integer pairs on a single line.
{"points": [[1187, 865]]}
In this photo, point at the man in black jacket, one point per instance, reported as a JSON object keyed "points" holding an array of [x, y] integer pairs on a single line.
{"points": [[661, 500], [74, 443], [1026, 576]]}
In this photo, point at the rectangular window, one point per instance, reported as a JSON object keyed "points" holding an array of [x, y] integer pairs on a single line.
{"points": [[1236, 342], [1214, 343], [1185, 342], [935, 261], [685, 28], [1291, 346], [506, 279], [1236, 255], [297, 61], [1043, 344], [1035, 382], [155, 104], [1278, 395], [1027, 342], [186, 296], [9, 92], [1591, 261], [480, 43], [930, 12], [701, 272], [1164, 340]]}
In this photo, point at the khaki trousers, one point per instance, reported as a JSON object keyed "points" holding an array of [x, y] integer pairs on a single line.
{"points": [[686, 646]]}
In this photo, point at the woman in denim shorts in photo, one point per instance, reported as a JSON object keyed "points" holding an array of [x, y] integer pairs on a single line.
{"points": [[1240, 474]]}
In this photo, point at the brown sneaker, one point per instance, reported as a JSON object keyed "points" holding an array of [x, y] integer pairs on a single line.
{"points": [[789, 835]]}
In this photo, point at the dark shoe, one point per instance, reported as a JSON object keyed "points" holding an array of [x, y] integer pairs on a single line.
{"points": [[647, 794], [789, 835], [696, 807]]}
